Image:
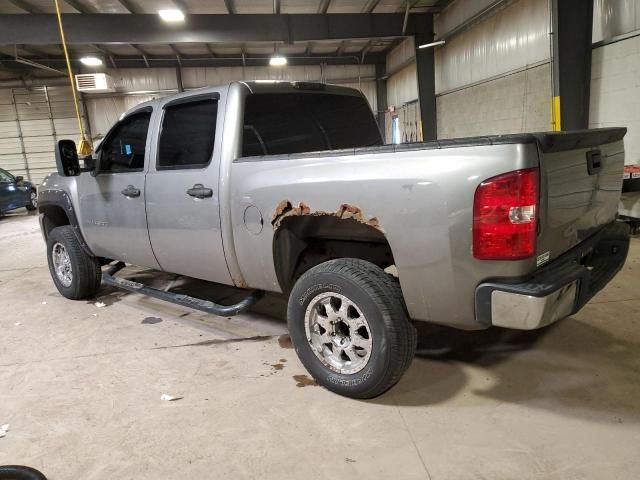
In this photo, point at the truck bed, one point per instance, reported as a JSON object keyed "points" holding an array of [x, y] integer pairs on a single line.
{"points": [[420, 196]]}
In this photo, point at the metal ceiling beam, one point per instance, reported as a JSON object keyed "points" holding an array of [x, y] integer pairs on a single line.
{"points": [[324, 6], [142, 53], [276, 7], [22, 5], [33, 51], [210, 50], [365, 50], [135, 61], [177, 54], [130, 7], [231, 6], [42, 29], [370, 6], [107, 53], [8, 63], [81, 7]]}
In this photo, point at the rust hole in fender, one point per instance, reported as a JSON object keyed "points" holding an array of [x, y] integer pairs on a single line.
{"points": [[345, 211]]}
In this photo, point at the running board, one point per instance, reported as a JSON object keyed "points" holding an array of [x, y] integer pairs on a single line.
{"points": [[178, 298]]}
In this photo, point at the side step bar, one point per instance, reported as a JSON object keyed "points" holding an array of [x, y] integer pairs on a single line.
{"points": [[178, 298]]}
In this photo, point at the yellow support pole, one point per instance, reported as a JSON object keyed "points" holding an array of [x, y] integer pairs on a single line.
{"points": [[84, 148], [556, 123]]}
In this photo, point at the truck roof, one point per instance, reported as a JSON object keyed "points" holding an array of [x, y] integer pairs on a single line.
{"points": [[257, 87]]}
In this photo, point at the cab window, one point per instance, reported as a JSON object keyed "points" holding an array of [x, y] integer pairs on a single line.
{"points": [[123, 149]]}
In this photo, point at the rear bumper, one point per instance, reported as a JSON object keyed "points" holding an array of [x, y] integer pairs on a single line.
{"points": [[557, 290]]}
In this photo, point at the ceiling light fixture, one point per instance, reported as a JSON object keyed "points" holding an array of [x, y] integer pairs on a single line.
{"points": [[432, 44], [91, 61], [277, 61], [171, 16]]}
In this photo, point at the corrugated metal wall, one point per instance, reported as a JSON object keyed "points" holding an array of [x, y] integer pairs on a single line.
{"points": [[612, 18], [104, 110], [495, 77], [615, 71], [31, 122], [402, 94]]}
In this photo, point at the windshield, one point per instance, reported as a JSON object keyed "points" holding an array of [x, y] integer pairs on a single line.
{"points": [[283, 123], [6, 177]]}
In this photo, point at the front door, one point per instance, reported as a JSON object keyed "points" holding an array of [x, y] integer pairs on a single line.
{"points": [[112, 204], [183, 208], [11, 195]]}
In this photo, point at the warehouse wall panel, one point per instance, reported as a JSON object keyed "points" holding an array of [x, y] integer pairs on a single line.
{"points": [[457, 13], [612, 18], [402, 87], [515, 37], [510, 104], [31, 121], [615, 91]]}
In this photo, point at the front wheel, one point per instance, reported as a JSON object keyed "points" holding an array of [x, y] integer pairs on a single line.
{"points": [[33, 201], [349, 327], [76, 274]]}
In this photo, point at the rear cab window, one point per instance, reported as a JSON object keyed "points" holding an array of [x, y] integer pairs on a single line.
{"points": [[188, 134], [298, 122]]}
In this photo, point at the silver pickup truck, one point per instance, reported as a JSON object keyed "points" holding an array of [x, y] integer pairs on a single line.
{"points": [[288, 187]]}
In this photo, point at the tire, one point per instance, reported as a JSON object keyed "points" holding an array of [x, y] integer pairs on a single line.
{"points": [[374, 357], [33, 201], [83, 276], [18, 472]]}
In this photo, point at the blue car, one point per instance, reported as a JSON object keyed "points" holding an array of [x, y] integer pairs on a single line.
{"points": [[16, 193]]}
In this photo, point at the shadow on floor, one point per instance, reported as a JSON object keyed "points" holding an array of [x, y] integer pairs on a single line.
{"points": [[572, 366], [16, 215]]}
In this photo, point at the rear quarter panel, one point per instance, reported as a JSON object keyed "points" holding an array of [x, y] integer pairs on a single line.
{"points": [[422, 198]]}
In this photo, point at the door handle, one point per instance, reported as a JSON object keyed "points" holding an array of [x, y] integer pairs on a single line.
{"points": [[200, 191], [131, 192]]}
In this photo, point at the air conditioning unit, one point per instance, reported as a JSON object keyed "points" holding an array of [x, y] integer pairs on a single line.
{"points": [[94, 83]]}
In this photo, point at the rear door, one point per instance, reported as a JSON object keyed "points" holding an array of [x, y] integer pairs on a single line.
{"points": [[112, 204], [183, 207]]}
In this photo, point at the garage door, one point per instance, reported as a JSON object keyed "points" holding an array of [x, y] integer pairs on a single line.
{"points": [[31, 122]]}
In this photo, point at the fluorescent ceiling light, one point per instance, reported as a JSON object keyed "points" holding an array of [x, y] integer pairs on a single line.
{"points": [[173, 15], [91, 61], [277, 61], [433, 44]]}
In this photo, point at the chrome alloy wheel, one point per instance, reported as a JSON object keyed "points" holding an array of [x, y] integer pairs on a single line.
{"points": [[62, 264], [34, 199], [338, 333]]}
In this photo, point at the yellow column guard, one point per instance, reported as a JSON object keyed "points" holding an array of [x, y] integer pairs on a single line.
{"points": [[556, 123]]}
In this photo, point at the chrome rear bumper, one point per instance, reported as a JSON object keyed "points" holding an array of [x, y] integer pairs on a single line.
{"points": [[557, 290]]}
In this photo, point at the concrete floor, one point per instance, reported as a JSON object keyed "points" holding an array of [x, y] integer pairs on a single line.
{"points": [[80, 387]]}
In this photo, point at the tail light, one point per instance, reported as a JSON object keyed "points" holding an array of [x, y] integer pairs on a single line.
{"points": [[505, 216]]}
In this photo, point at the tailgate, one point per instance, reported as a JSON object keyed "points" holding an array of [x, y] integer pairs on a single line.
{"points": [[581, 180]]}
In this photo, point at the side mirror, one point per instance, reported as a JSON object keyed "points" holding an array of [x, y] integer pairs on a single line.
{"points": [[19, 179], [67, 158]]}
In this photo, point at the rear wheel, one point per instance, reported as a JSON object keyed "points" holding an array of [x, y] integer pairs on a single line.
{"points": [[349, 327], [33, 201], [76, 274]]}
